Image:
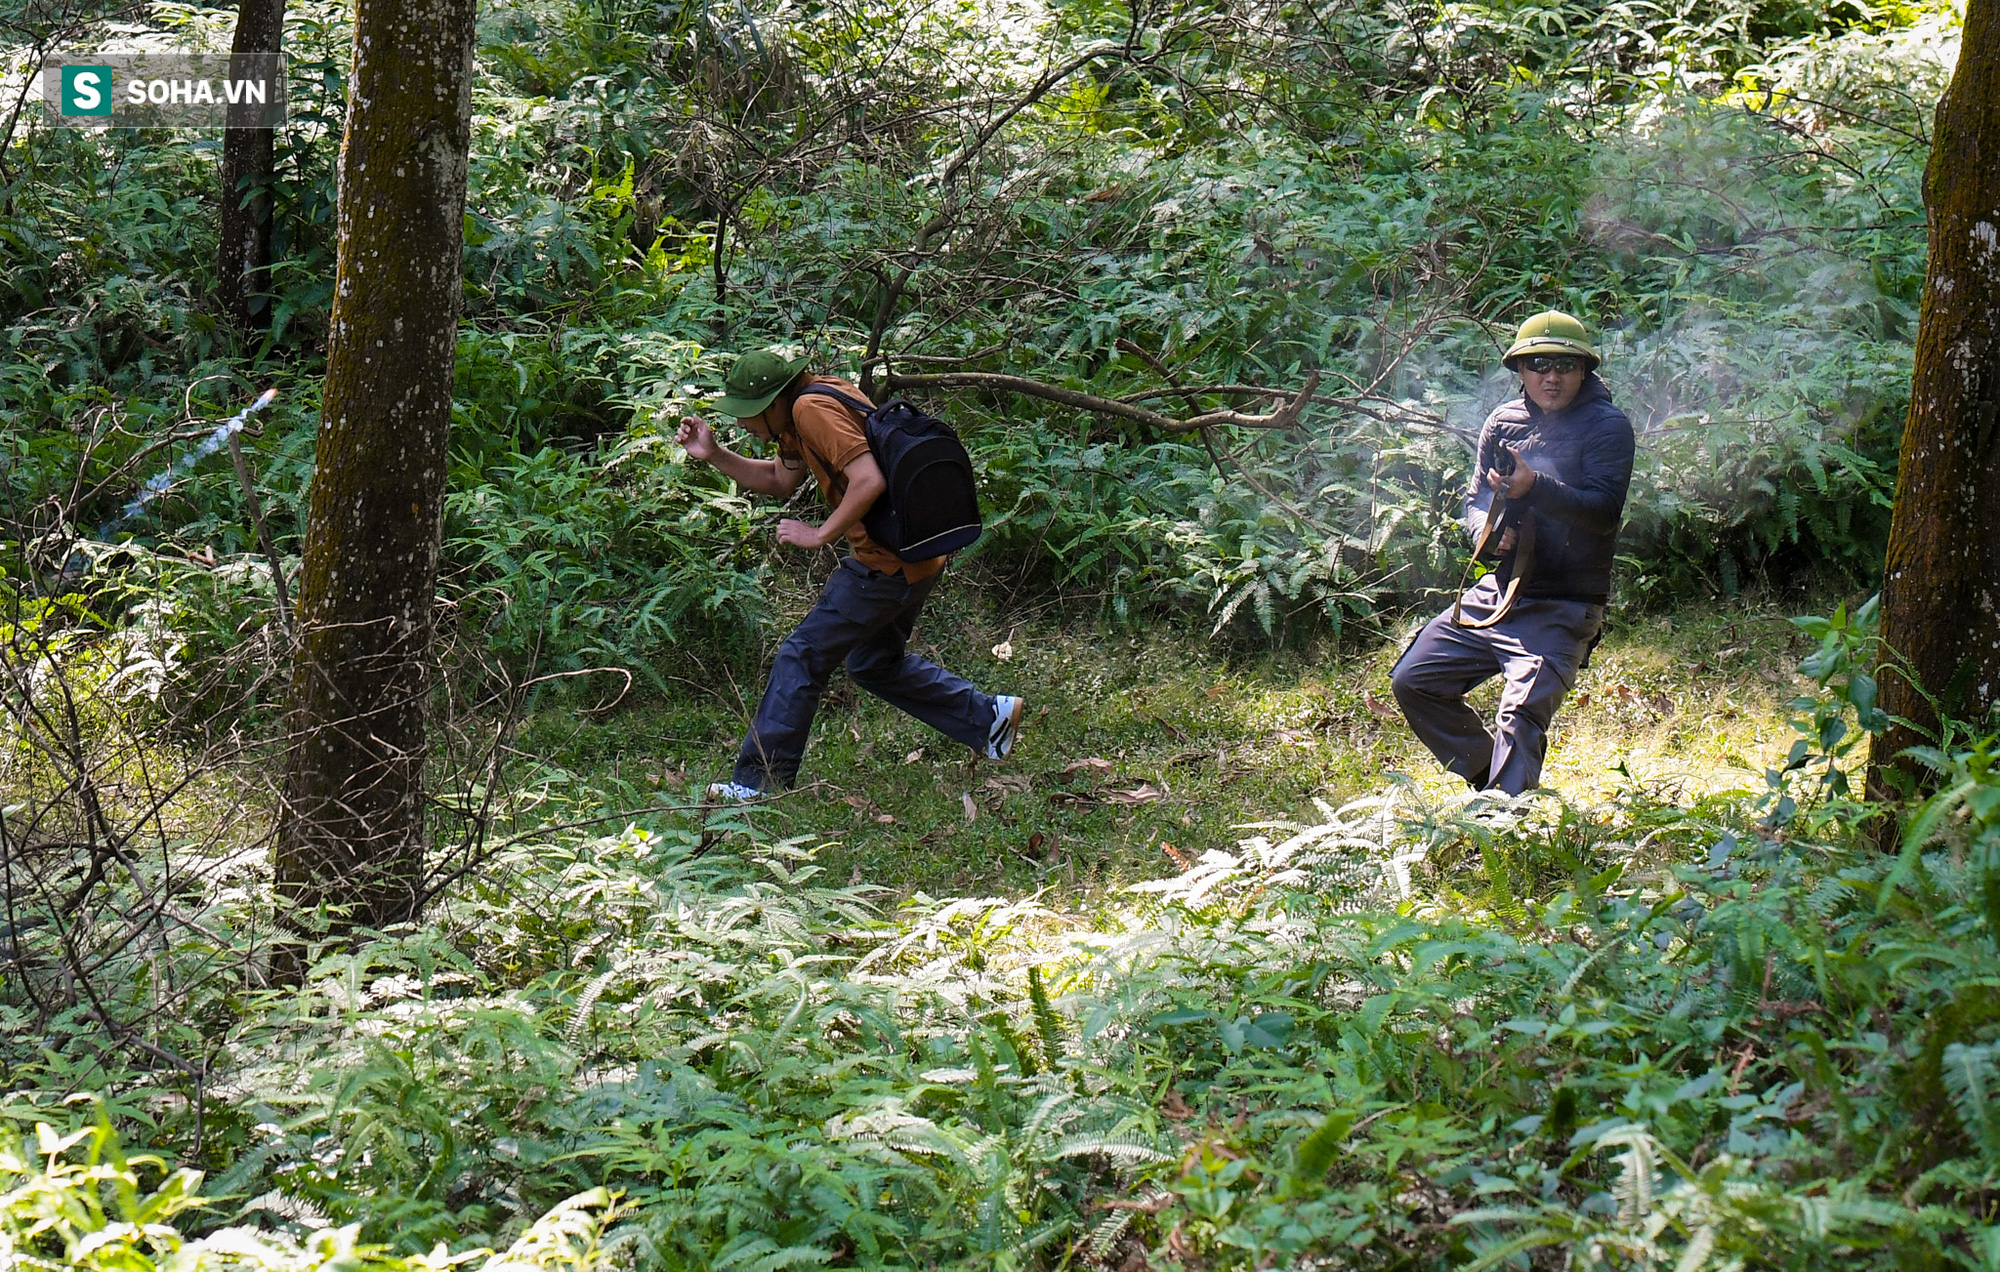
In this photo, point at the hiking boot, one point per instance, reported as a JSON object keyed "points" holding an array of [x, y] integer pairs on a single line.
{"points": [[733, 792], [1006, 726]]}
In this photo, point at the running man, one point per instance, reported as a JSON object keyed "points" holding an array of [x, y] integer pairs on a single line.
{"points": [[868, 609]]}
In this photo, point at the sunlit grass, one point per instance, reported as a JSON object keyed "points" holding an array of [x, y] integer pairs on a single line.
{"points": [[1142, 749]]}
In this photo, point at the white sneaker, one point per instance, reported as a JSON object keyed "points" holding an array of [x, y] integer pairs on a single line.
{"points": [[1006, 726], [734, 792]]}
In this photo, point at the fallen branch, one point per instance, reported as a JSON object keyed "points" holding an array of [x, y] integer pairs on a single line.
{"points": [[1389, 411], [1166, 373], [1286, 416]]}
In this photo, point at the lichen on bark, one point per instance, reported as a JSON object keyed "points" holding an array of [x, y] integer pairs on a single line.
{"points": [[351, 831], [1941, 585]]}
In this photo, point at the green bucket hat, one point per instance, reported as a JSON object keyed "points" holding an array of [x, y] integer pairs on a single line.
{"points": [[754, 380], [1551, 331]]}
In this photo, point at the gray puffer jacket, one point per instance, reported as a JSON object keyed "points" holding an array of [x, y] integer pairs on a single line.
{"points": [[1583, 457]]}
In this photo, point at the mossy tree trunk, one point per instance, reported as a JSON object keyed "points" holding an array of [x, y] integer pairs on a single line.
{"points": [[243, 269], [351, 831], [1941, 583]]}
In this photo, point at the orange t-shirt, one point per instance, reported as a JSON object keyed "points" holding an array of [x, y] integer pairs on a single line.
{"points": [[831, 437]]}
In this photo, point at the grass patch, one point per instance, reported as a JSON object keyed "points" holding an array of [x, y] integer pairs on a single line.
{"points": [[1144, 748]]}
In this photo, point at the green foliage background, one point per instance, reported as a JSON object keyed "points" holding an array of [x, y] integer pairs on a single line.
{"points": [[1730, 196], [1647, 1032]]}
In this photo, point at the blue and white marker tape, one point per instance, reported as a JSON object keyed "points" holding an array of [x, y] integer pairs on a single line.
{"points": [[159, 482]]}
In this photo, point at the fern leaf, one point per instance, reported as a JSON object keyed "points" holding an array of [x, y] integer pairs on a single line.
{"points": [[586, 1002], [1124, 1151], [1634, 1189], [1699, 1247], [1968, 1078], [1106, 1234], [1046, 1023]]}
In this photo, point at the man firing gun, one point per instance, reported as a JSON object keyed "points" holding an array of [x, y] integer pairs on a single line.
{"points": [[1547, 495]]}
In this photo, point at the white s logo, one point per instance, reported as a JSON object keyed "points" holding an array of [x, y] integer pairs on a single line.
{"points": [[84, 89]]}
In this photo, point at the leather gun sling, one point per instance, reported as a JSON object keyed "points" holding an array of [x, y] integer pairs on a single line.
{"points": [[1524, 564]]}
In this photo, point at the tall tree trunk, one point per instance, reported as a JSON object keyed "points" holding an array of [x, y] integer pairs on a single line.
{"points": [[243, 267], [351, 831], [1941, 584]]}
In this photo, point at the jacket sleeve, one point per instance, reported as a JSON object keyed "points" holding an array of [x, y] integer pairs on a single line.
{"points": [[1478, 497], [1596, 501]]}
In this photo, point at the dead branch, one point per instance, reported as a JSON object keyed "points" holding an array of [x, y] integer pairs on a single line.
{"points": [[1204, 390], [1285, 417], [1208, 442], [1390, 411], [945, 219]]}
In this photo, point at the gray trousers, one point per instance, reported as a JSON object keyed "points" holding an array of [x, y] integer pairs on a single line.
{"points": [[1538, 647]]}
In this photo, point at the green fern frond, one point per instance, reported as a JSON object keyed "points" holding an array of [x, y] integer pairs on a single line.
{"points": [[1105, 1235], [1130, 1152], [585, 1003], [1046, 1023], [1970, 1080]]}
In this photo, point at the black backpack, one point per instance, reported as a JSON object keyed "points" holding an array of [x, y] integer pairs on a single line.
{"points": [[932, 504]]}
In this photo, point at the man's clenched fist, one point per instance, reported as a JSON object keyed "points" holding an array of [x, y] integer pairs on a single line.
{"points": [[697, 438]]}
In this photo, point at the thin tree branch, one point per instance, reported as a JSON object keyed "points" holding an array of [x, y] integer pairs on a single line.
{"points": [[1286, 416]]}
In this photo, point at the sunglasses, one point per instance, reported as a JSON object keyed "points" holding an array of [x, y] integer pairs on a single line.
{"points": [[1560, 363]]}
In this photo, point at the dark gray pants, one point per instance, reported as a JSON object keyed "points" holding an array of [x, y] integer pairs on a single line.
{"points": [[1538, 647], [865, 618]]}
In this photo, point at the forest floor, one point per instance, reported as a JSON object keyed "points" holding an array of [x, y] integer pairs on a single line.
{"points": [[686, 1010], [1142, 750]]}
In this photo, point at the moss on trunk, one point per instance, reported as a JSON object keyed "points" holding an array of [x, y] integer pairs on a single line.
{"points": [[1941, 585], [352, 829]]}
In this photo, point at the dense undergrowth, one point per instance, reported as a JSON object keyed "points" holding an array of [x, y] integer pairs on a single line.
{"points": [[1649, 1026], [1717, 1033], [1224, 197]]}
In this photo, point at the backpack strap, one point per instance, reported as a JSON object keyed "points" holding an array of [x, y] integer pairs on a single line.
{"points": [[854, 404], [826, 390]]}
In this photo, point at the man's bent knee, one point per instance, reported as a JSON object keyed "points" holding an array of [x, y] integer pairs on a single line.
{"points": [[1413, 681], [1403, 690], [1545, 693]]}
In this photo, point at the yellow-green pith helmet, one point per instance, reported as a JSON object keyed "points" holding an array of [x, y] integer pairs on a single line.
{"points": [[1552, 331]]}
